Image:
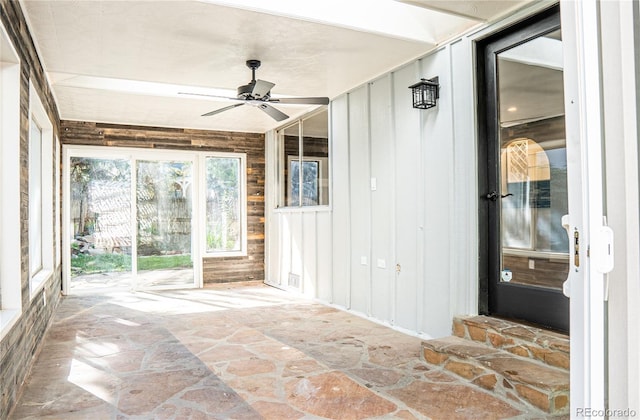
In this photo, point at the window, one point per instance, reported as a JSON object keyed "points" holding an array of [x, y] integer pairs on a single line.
{"points": [[304, 162], [35, 198], [535, 174], [10, 294], [40, 193], [225, 204]]}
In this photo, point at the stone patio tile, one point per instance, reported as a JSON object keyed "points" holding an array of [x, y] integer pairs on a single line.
{"points": [[301, 367], [377, 376], [102, 411], [336, 356], [276, 411], [252, 366], [486, 322], [459, 347], [57, 399], [450, 401], [277, 351], [142, 393], [251, 388], [217, 401], [529, 373], [393, 355], [334, 395], [224, 353], [521, 332]]}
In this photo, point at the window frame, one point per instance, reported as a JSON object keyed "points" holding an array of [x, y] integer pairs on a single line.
{"points": [[242, 180], [39, 116], [10, 171], [284, 183]]}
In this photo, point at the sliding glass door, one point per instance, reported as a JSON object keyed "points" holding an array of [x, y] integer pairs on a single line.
{"points": [[130, 220], [164, 215], [100, 223]]}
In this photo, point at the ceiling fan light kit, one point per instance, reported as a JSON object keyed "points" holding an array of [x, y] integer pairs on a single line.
{"points": [[257, 93]]}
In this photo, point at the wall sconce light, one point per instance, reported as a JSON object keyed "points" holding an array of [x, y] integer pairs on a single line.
{"points": [[425, 93]]}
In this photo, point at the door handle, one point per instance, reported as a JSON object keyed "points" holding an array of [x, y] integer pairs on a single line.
{"points": [[493, 195]]}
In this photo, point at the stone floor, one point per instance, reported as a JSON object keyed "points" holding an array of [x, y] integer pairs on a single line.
{"points": [[123, 280], [236, 352]]}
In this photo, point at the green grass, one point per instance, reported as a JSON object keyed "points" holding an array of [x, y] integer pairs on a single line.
{"points": [[164, 261], [91, 264]]}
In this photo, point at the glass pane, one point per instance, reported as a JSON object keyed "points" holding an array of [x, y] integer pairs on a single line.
{"points": [[35, 198], [289, 151], [315, 168], [224, 223], [164, 203], [100, 212], [533, 163]]}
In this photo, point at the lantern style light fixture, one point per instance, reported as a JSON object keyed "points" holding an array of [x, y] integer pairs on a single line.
{"points": [[425, 93]]}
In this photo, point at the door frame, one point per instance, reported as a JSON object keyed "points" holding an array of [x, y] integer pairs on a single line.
{"points": [[581, 28], [546, 306], [132, 154]]}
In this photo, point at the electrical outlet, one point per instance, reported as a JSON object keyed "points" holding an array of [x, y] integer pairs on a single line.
{"points": [[532, 264]]}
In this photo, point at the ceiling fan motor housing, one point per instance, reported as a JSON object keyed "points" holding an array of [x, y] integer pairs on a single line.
{"points": [[244, 91]]}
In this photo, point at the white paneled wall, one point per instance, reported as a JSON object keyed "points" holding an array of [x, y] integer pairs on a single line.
{"points": [[398, 243], [360, 200], [382, 208]]}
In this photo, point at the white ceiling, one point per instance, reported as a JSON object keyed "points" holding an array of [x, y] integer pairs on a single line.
{"points": [[126, 61]]}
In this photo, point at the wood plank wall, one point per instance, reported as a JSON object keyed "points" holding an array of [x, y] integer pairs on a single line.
{"points": [[20, 344], [217, 269]]}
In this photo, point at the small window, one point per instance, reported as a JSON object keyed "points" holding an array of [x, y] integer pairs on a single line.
{"points": [[304, 162], [10, 245], [41, 235], [225, 192], [35, 198]]}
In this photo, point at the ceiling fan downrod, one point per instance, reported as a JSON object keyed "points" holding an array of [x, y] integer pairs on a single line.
{"points": [[253, 65]]}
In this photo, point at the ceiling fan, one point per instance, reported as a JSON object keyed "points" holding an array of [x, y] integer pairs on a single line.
{"points": [[258, 93]]}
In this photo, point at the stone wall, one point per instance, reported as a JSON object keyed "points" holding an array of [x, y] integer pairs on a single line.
{"points": [[215, 269], [21, 343]]}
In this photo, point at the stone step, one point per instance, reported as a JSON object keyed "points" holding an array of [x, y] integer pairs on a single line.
{"points": [[525, 381], [549, 347]]}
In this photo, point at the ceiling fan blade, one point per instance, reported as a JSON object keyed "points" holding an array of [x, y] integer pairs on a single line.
{"points": [[317, 100], [217, 111], [272, 112], [261, 88], [208, 96]]}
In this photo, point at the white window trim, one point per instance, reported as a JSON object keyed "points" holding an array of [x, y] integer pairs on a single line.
{"points": [[58, 195], [132, 154], [323, 164], [299, 208], [38, 114], [243, 252], [10, 245]]}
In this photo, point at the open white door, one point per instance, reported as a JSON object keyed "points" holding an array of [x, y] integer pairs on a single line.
{"points": [[588, 250]]}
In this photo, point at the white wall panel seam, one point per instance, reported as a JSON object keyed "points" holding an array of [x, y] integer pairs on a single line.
{"points": [[348, 181], [394, 228], [331, 199], [371, 203], [420, 214]]}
